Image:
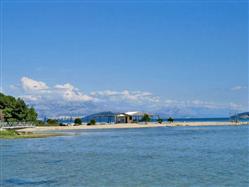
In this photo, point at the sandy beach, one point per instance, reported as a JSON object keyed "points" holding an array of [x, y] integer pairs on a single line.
{"points": [[129, 125]]}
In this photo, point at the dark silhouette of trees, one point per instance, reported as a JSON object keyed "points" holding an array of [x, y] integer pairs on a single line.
{"points": [[170, 120], [78, 121], [16, 110]]}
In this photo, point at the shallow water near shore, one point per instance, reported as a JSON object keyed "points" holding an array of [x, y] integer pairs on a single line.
{"points": [[165, 156]]}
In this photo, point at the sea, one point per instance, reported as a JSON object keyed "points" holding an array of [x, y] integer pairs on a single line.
{"points": [[164, 156]]}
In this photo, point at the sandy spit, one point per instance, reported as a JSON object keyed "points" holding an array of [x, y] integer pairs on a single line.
{"points": [[129, 125]]}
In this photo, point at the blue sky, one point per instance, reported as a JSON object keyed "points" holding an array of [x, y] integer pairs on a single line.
{"points": [[181, 52]]}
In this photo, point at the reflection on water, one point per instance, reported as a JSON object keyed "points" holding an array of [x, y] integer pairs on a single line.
{"points": [[179, 156]]}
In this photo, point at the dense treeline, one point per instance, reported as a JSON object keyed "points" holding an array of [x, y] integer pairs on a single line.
{"points": [[15, 110]]}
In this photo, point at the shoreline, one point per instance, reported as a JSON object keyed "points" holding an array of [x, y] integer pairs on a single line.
{"points": [[128, 126], [11, 134]]}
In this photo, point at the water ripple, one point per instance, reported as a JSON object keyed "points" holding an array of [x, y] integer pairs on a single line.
{"points": [[23, 182]]}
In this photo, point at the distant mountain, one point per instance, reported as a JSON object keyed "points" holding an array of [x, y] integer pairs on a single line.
{"points": [[56, 109], [243, 115], [193, 112]]}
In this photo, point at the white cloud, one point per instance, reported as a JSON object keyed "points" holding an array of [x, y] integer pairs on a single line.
{"points": [[236, 106], [237, 88], [203, 104], [66, 86], [33, 85], [31, 97], [70, 93], [125, 95], [66, 99], [40, 90], [13, 87]]}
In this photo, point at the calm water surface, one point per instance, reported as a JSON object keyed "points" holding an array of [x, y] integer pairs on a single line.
{"points": [[178, 156]]}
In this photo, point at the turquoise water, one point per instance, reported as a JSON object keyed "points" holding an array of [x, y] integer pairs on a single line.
{"points": [[167, 156]]}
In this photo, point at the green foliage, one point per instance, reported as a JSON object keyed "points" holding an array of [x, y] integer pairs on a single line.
{"points": [[160, 120], [171, 120], [77, 121], [16, 110], [1, 115], [11, 134], [40, 123], [31, 115], [52, 122], [92, 122], [5, 133], [146, 118]]}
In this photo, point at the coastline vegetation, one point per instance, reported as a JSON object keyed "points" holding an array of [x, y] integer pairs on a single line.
{"points": [[77, 121], [92, 122], [160, 120], [146, 118], [52, 122], [12, 134], [170, 120], [16, 110]]}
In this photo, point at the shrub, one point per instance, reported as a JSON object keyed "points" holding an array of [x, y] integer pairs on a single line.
{"points": [[40, 123], [171, 120], [4, 133], [92, 122], [160, 120], [77, 121], [52, 122], [146, 118]]}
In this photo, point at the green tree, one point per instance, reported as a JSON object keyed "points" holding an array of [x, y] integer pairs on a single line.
{"points": [[7, 112], [31, 115], [1, 115], [92, 122], [78, 121], [146, 118], [14, 110], [160, 120], [40, 123], [170, 120], [52, 122]]}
